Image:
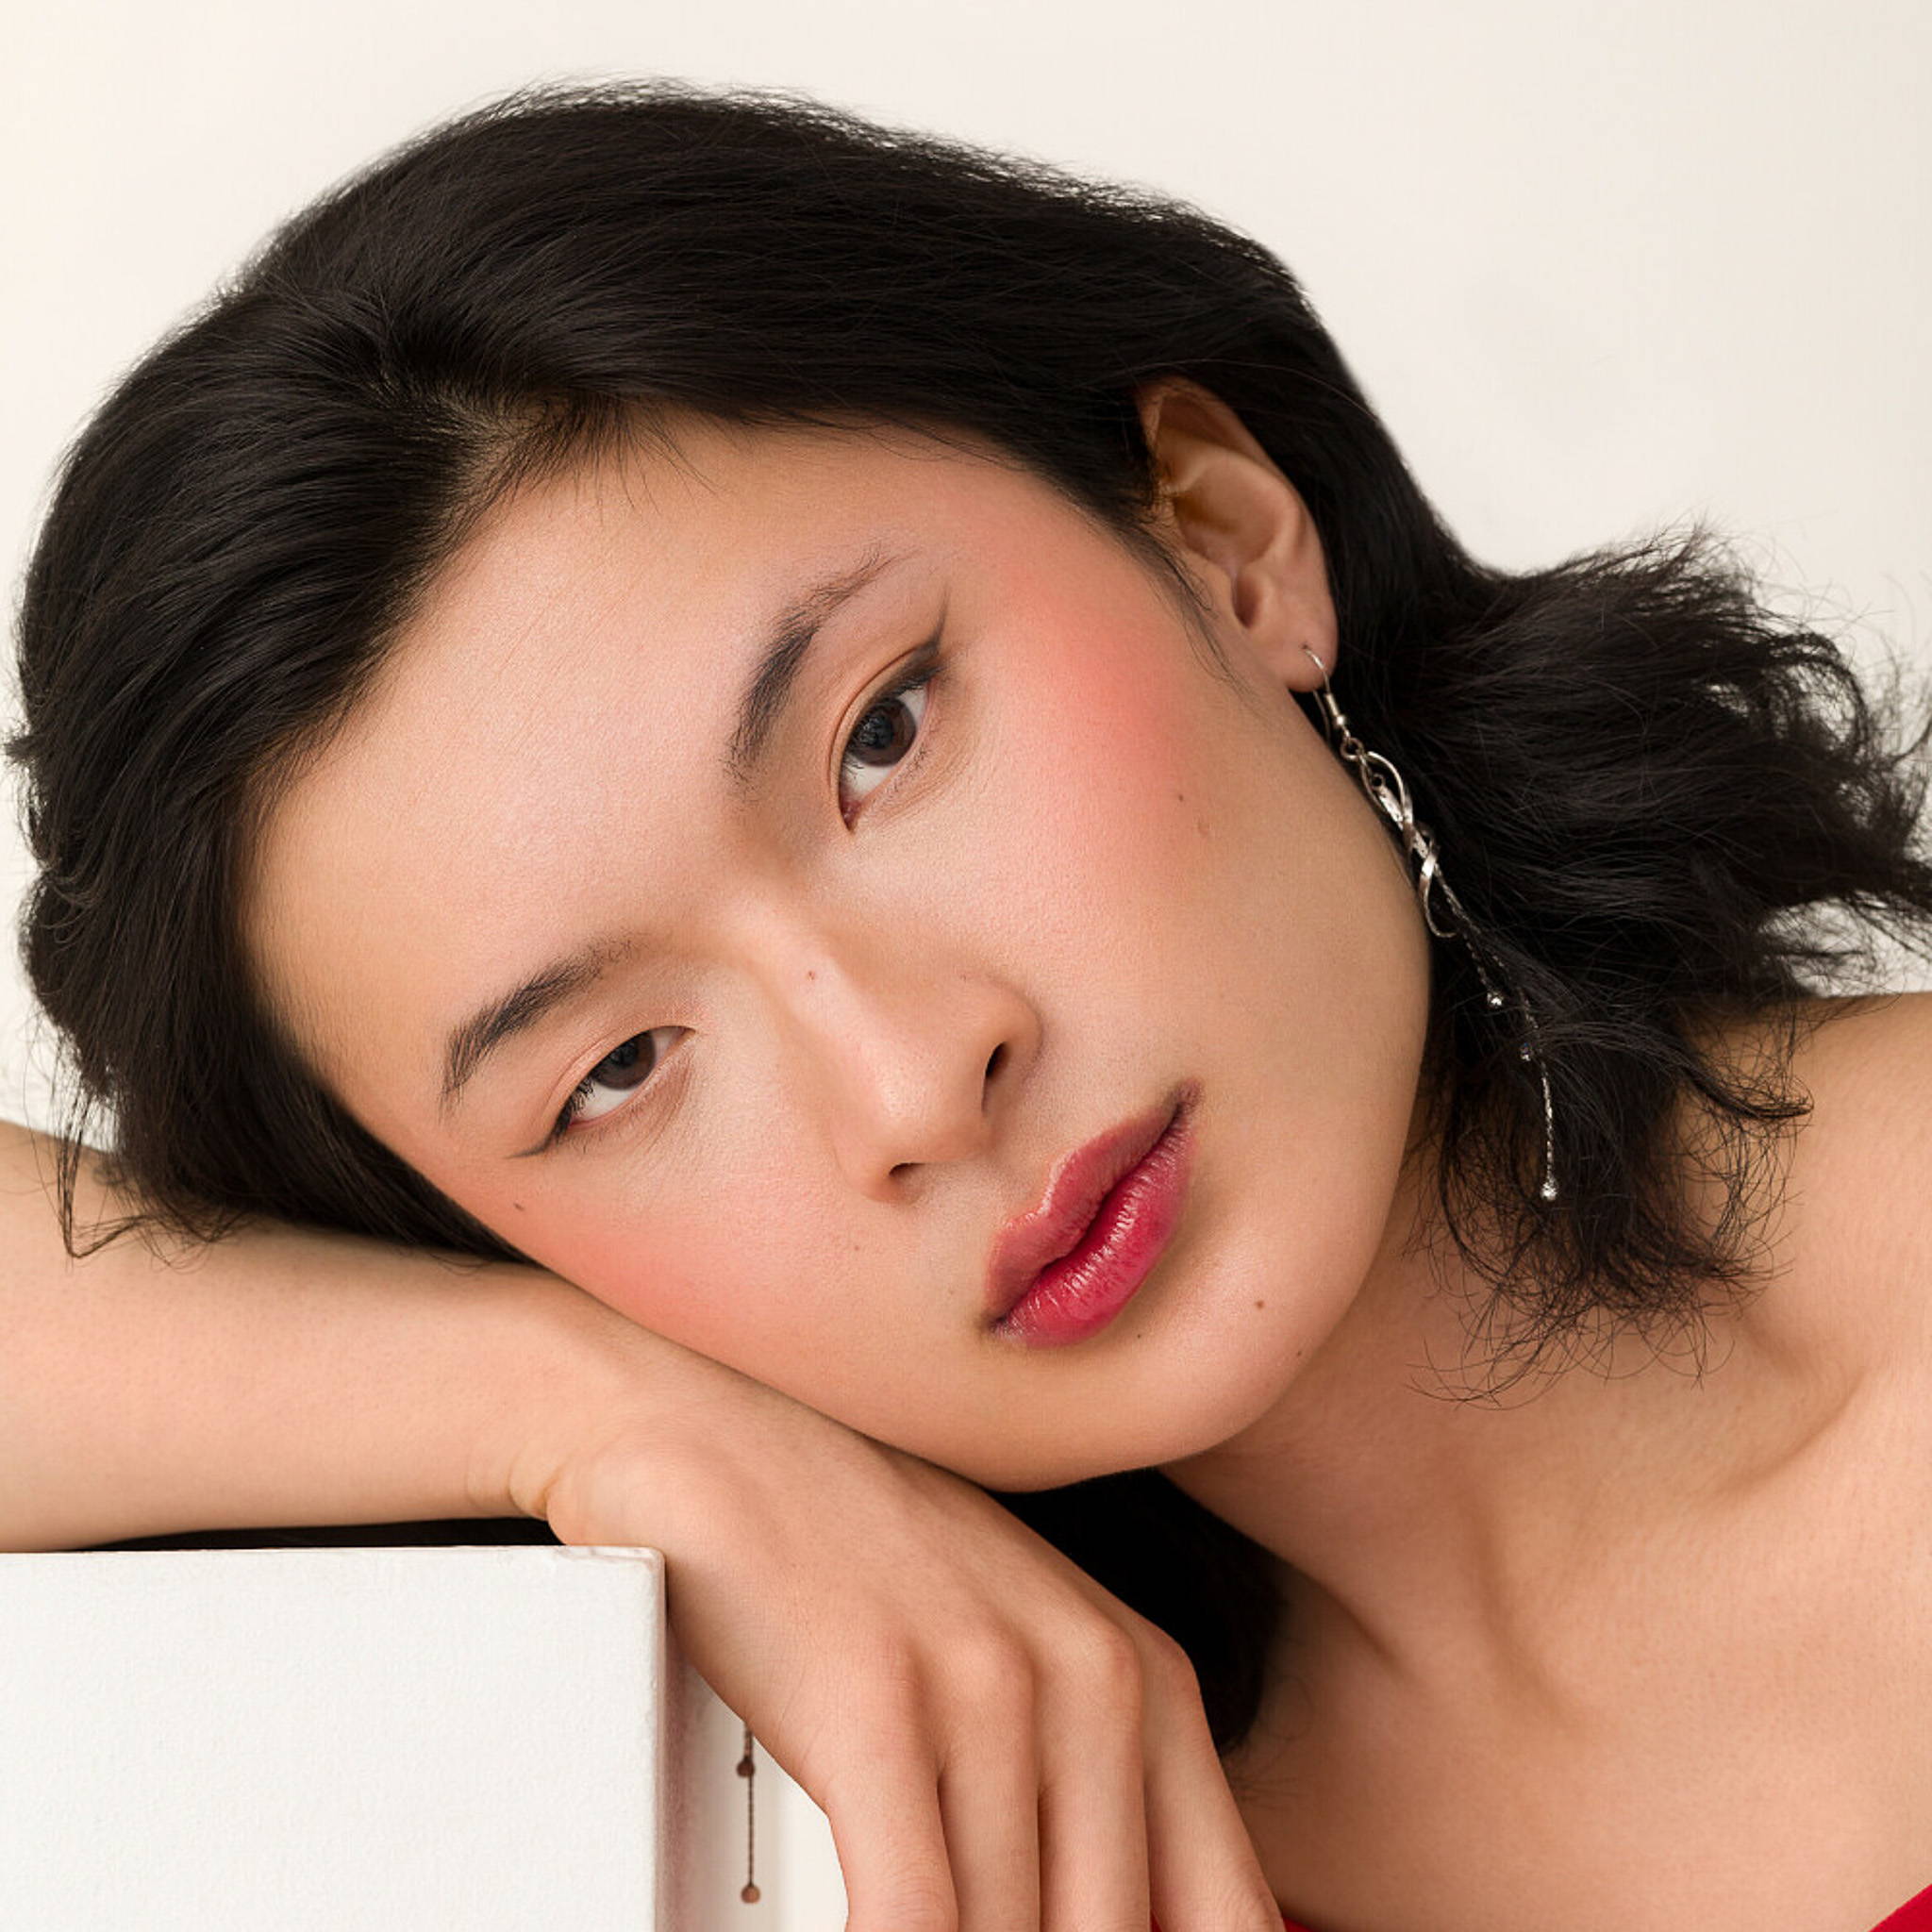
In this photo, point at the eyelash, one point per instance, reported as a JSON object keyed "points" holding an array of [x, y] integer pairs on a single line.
{"points": [[921, 672]]}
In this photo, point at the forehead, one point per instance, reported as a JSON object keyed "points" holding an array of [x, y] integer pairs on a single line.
{"points": [[576, 665]]}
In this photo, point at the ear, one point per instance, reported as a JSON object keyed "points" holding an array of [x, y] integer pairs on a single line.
{"points": [[1242, 529]]}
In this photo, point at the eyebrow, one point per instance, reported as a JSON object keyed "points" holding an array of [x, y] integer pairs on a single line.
{"points": [[775, 678], [761, 707], [552, 987]]}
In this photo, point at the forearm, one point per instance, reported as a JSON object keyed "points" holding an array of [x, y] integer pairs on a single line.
{"points": [[275, 1377]]}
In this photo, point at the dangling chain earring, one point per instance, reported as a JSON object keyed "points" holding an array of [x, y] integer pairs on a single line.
{"points": [[1388, 793], [748, 1770]]}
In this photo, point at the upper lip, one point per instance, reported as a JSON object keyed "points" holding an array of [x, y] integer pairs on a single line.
{"points": [[1079, 1182]]}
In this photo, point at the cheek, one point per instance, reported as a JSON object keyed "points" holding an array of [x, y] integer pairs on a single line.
{"points": [[1151, 810], [671, 1275], [732, 1286], [1107, 748]]}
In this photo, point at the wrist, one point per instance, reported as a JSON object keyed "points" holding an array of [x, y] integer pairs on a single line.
{"points": [[568, 1375]]}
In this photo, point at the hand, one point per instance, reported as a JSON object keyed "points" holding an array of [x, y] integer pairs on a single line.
{"points": [[999, 1743]]}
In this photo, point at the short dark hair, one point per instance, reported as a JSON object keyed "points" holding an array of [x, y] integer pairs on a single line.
{"points": [[1638, 777]]}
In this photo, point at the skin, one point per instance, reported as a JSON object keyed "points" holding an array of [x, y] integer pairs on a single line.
{"points": [[812, 1193], [1643, 1607]]}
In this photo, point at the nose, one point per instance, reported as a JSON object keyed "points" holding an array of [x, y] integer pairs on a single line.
{"points": [[909, 1056]]}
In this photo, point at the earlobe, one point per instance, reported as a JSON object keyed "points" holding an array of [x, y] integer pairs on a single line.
{"points": [[1242, 529]]}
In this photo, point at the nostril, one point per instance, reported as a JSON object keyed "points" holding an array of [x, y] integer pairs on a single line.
{"points": [[999, 1054]]}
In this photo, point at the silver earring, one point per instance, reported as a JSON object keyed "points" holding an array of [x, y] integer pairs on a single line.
{"points": [[1388, 793]]}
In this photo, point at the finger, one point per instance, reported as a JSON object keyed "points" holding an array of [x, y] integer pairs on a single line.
{"points": [[1092, 1809], [989, 1792], [1205, 1874], [883, 1805]]}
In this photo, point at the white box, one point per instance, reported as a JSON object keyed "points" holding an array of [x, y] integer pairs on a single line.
{"points": [[395, 1739]]}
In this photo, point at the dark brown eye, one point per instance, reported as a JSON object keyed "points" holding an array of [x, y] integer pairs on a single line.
{"points": [[882, 738], [885, 735], [614, 1078], [625, 1067]]}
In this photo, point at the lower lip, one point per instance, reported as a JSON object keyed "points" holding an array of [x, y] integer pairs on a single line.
{"points": [[1082, 1292]]}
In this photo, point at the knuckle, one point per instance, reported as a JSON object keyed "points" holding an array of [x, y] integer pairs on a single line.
{"points": [[991, 1668], [877, 1734], [886, 1690], [1169, 1666], [988, 1714], [892, 1666], [1109, 1663], [887, 1674]]}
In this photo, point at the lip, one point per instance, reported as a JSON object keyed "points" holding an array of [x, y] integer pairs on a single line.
{"points": [[1107, 1213]]}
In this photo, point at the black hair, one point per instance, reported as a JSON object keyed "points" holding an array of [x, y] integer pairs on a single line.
{"points": [[1640, 780]]}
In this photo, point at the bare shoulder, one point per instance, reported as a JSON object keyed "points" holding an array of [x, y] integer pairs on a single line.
{"points": [[1856, 1238]]}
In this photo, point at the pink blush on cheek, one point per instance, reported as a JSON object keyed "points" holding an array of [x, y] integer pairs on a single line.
{"points": [[677, 1299], [698, 1280], [1125, 691], [1136, 775]]}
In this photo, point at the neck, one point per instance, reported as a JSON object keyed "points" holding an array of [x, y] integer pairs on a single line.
{"points": [[1445, 1528]]}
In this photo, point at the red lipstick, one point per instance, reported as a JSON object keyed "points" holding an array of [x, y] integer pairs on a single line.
{"points": [[1065, 1267]]}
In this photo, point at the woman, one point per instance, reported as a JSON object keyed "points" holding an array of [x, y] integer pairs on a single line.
{"points": [[870, 756]]}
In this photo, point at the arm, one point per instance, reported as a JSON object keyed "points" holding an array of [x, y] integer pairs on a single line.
{"points": [[899, 1643], [275, 1377]]}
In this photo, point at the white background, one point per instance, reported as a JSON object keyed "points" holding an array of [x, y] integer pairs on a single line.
{"points": [[1600, 266]]}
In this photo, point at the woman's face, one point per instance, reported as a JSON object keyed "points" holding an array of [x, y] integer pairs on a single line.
{"points": [[763, 1046]]}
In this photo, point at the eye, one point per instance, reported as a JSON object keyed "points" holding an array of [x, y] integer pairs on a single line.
{"points": [[613, 1079], [886, 734]]}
